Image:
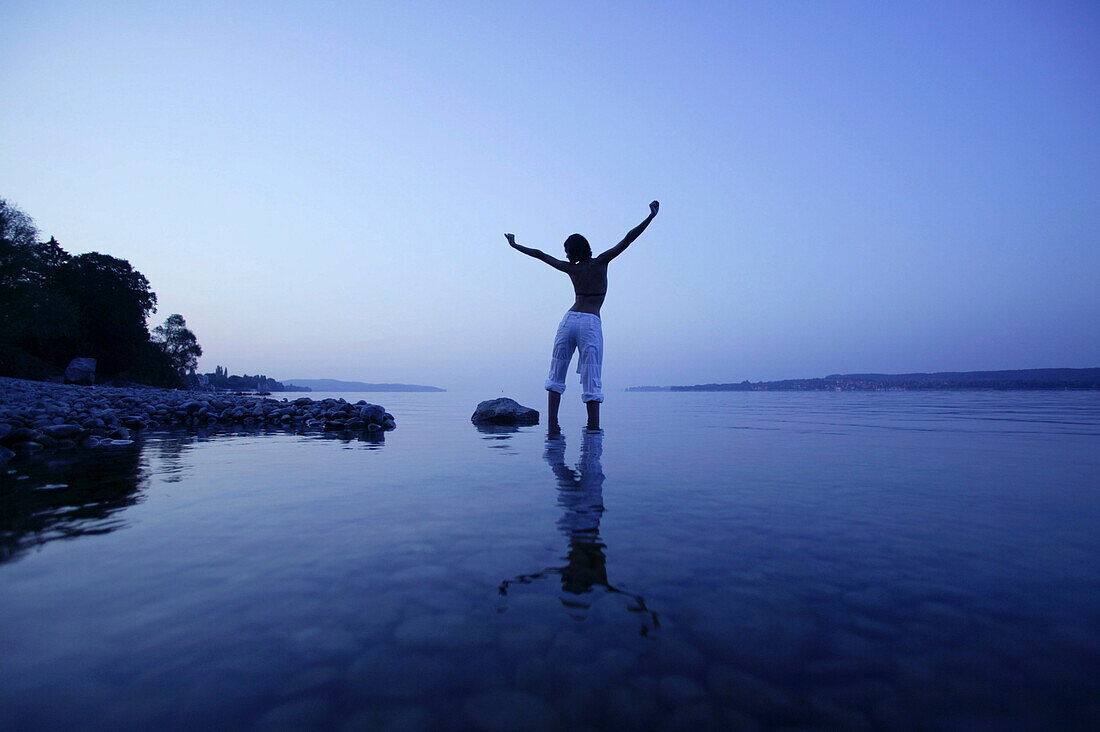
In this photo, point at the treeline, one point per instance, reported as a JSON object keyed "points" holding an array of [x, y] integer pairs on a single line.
{"points": [[55, 306], [222, 380]]}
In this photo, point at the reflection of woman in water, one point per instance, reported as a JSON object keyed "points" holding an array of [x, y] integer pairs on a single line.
{"points": [[580, 330], [580, 494]]}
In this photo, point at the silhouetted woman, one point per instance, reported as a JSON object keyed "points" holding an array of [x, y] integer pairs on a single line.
{"points": [[580, 329]]}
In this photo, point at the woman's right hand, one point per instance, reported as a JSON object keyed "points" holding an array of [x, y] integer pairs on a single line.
{"points": [[511, 239]]}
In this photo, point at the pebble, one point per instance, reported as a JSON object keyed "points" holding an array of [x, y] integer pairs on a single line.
{"points": [[510, 710], [443, 630], [679, 689], [630, 706], [747, 692], [386, 674], [311, 679], [296, 715], [689, 718], [37, 416], [389, 719], [532, 674]]}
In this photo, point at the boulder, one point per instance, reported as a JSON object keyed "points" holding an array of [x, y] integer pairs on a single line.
{"points": [[62, 431], [372, 413], [19, 434], [81, 371], [504, 411]]}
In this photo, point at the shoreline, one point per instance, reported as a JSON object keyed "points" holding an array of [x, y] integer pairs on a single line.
{"points": [[42, 416]]}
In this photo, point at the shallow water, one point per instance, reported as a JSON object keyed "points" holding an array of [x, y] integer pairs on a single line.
{"points": [[710, 560]]}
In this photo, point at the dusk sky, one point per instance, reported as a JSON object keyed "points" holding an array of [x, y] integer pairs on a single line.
{"points": [[322, 189]]}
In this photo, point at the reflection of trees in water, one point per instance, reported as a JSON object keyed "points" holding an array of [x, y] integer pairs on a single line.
{"points": [[580, 495], [70, 494], [169, 451], [66, 496]]}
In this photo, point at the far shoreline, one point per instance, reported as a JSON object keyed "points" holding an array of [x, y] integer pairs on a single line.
{"points": [[349, 387], [1054, 379]]}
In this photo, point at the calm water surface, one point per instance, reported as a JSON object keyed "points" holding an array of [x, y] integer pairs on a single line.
{"points": [[923, 560]]}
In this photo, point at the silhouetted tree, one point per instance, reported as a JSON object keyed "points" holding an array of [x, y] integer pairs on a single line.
{"points": [[18, 237], [112, 302], [153, 366], [37, 321], [179, 343], [54, 306]]}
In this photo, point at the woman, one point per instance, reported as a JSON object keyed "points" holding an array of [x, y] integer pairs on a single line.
{"points": [[580, 329]]}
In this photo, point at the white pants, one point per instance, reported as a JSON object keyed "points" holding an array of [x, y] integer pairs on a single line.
{"points": [[580, 332]]}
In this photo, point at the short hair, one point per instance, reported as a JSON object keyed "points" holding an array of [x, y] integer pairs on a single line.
{"points": [[577, 248]]}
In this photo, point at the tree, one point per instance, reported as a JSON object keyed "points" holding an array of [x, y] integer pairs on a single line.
{"points": [[112, 302], [54, 306], [18, 238], [37, 321], [177, 340]]}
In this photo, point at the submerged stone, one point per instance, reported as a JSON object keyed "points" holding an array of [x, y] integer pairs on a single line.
{"points": [[62, 431], [507, 710]]}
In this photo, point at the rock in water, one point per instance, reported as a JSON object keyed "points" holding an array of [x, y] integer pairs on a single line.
{"points": [[41, 416], [62, 431], [504, 411], [81, 371]]}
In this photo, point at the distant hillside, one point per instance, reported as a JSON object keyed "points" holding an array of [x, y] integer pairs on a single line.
{"points": [[1024, 379], [335, 385]]}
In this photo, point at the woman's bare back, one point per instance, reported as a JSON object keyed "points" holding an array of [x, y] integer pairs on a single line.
{"points": [[590, 285]]}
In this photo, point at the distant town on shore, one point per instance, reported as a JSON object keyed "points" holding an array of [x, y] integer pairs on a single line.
{"points": [[1023, 379]]}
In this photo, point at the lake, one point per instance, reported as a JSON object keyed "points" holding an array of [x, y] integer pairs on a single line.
{"points": [[708, 560]]}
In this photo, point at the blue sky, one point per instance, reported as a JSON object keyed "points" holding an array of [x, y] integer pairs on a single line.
{"points": [[322, 189]]}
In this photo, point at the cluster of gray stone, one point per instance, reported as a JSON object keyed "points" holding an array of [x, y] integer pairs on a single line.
{"points": [[36, 416]]}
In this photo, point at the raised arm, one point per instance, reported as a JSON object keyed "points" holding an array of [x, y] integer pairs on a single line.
{"points": [[537, 254], [630, 236]]}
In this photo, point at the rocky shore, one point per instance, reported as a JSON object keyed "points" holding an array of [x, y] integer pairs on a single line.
{"points": [[36, 416]]}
